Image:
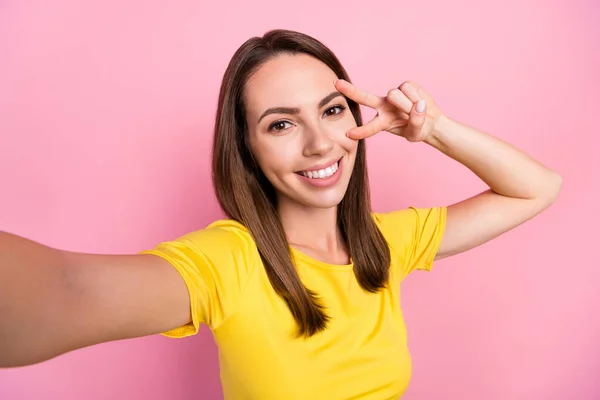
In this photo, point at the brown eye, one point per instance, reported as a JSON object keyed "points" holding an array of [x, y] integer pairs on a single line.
{"points": [[278, 126], [334, 110]]}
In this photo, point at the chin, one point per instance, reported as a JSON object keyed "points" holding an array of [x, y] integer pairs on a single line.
{"points": [[323, 202]]}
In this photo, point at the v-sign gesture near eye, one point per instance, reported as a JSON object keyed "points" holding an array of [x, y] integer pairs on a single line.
{"points": [[520, 187], [407, 111]]}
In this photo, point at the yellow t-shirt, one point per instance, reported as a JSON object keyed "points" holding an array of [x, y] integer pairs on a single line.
{"points": [[362, 354]]}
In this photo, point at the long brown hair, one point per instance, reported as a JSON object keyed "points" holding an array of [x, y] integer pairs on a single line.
{"points": [[245, 195]]}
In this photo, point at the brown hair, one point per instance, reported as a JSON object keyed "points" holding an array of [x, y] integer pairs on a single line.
{"points": [[245, 195]]}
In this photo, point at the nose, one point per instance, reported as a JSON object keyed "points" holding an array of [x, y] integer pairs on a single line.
{"points": [[317, 141]]}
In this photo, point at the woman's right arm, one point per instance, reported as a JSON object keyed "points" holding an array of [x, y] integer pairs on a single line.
{"points": [[54, 301]]}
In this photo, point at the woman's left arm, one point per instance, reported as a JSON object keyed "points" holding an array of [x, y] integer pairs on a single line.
{"points": [[520, 187]]}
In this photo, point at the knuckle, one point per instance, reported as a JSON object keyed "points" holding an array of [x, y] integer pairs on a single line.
{"points": [[404, 85]]}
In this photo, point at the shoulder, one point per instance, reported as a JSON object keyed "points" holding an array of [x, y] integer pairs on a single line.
{"points": [[407, 226], [216, 263], [221, 235], [225, 246], [383, 219], [407, 219]]}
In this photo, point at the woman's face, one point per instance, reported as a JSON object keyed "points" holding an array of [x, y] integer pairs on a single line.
{"points": [[297, 123]]}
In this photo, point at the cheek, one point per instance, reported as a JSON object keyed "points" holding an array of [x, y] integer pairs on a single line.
{"points": [[341, 128], [272, 155], [350, 145]]}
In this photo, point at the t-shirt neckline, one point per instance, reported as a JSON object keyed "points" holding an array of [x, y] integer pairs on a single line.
{"points": [[313, 261]]}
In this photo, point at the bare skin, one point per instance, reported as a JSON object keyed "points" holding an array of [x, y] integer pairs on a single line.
{"points": [[53, 301]]}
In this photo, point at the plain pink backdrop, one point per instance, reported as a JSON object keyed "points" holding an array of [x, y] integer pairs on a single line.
{"points": [[106, 112]]}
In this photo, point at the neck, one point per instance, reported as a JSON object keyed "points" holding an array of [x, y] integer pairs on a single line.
{"points": [[309, 227]]}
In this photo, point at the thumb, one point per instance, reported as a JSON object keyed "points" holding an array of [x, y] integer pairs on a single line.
{"points": [[416, 120]]}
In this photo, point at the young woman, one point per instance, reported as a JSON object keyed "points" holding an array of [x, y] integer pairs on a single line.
{"points": [[301, 284]]}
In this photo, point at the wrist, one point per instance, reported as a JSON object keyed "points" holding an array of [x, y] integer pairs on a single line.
{"points": [[440, 127]]}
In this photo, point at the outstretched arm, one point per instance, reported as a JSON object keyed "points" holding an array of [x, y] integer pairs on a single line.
{"points": [[53, 301], [520, 187]]}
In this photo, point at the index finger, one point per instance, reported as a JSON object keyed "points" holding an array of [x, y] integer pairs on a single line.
{"points": [[367, 130], [359, 96]]}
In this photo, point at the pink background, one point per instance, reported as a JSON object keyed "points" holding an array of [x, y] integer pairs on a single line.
{"points": [[106, 113]]}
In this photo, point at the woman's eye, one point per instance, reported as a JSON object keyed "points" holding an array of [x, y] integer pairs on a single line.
{"points": [[334, 110], [279, 126]]}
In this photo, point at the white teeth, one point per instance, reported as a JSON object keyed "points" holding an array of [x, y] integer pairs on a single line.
{"points": [[322, 173]]}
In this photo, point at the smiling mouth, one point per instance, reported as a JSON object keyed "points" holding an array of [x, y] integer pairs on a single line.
{"points": [[321, 173]]}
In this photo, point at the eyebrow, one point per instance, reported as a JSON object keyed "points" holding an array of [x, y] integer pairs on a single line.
{"points": [[293, 110]]}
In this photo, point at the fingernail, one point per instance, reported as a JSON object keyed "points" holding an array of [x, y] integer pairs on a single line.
{"points": [[420, 106]]}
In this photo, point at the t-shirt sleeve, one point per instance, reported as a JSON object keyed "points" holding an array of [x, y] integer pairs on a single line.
{"points": [[215, 264], [414, 236]]}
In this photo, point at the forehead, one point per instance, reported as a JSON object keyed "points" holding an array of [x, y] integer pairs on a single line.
{"points": [[288, 81]]}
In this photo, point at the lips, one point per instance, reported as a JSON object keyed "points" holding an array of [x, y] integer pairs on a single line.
{"points": [[321, 171], [327, 175]]}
